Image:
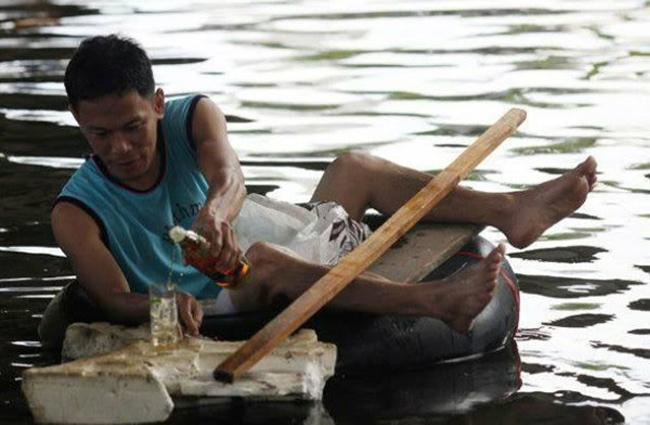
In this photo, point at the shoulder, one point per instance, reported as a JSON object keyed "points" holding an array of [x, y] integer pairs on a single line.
{"points": [[180, 116], [182, 106], [75, 208], [73, 223], [84, 185], [68, 210], [209, 122], [206, 109]]}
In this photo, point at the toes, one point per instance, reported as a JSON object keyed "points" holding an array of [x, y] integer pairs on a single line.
{"points": [[592, 179], [497, 254], [491, 282], [587, 167]]}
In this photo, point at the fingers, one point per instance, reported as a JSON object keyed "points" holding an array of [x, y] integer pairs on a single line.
{"points": [[190, 313], [197, 314], [224, 246], [227, 253]]}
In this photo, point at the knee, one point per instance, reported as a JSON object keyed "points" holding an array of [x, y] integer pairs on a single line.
{"points": [[259, 255], [265, 262], [350, 164], [254, 294]]}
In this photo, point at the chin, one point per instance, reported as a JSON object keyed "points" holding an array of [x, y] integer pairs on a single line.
{"points": [[127, 176]]}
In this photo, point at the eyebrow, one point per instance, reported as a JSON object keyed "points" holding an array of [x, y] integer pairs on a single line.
{"points": [[96, 128], [132, 121], [126, 124]]}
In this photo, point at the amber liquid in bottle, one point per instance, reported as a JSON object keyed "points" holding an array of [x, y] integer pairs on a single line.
{"points": [[196, 252]]}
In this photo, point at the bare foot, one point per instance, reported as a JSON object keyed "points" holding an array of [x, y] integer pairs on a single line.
{"points": [[537, 209], [460, 298]]}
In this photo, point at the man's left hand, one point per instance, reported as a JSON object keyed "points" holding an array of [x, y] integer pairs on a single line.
{"points": [[221, 235]]}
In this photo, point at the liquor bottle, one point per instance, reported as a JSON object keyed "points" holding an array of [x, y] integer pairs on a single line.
{"points": [[196, 252]]}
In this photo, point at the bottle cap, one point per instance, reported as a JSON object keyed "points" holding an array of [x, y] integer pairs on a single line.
{"points": [[177, 233]]}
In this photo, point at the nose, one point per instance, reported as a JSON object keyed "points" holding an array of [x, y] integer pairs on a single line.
{"points": [[120, 144]]}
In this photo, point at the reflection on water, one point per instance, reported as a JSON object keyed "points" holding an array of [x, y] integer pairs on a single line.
{"points": [[449, 389], [531, 408], [411, 81], [566, 287]]}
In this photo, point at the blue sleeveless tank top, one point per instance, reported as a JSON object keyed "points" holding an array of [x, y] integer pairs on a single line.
{"points": [[134, 223]]}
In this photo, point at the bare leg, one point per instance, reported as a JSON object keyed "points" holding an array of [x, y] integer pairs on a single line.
{"points": [[358, 181], [457, 300]]}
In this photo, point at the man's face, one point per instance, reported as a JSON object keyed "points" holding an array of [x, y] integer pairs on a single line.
{"points": [[122, 131]]}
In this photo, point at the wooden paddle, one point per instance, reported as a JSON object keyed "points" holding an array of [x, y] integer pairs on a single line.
{"points": [[363, 256]]}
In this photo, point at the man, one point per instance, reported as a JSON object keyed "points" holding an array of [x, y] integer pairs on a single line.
{"points": [[158, 164]]}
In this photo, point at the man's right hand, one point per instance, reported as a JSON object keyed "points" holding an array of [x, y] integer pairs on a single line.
{"points": [[190, 313]]}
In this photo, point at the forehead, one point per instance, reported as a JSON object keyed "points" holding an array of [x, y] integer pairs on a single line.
{"points": [[112, 110]]}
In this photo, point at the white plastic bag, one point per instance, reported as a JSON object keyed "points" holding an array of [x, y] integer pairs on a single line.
{"points": [[307, 234]]}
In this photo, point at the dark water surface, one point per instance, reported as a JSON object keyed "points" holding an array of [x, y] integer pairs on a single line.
{"points": [[412, 81]]}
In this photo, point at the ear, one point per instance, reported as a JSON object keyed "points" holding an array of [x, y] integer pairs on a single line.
{"points": [[159, 103]]}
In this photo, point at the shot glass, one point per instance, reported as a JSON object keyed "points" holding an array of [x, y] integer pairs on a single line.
{"points": [[163, 316]]}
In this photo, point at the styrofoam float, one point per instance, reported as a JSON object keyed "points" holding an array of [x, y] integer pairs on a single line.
{"points": [[119, 378]]}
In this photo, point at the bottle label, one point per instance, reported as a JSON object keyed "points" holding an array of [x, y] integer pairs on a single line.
{"points": [[196, 252]]}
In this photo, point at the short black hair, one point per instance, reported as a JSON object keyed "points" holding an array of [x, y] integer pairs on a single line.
{"points": [[108, 65]]}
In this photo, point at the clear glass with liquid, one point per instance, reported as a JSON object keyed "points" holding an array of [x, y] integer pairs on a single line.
{"points": [[164, 316]]}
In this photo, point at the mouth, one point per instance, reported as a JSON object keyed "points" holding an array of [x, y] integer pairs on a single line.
{"points": [[127, 163]]}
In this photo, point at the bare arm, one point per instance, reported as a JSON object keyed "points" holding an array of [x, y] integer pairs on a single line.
{"points": [[219, 164], [79, 237]]}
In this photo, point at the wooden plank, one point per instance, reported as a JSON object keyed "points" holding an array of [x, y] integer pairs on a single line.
{"points": [[361, 258], [420, 251]]}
